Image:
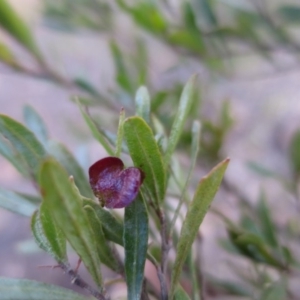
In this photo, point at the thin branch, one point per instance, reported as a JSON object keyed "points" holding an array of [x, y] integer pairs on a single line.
{"points": [[77, 280]]}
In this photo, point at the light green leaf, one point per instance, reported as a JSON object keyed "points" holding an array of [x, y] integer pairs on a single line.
{"points": [[180, 294], [135, 244], [66, 159], [205, 193], [23, 289], [35, 123], [112, 228], [184, 107], [95, 132], [6, 55], [65, 205], [145, 154], [24, 141], [120, 134], [14, 25], [104, 251], [142, 103], [16, 203]]}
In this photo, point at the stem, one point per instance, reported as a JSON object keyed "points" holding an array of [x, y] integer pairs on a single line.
{"points": [[77, 280]]}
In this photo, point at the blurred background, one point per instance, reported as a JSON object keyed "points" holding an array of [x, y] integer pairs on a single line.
{"points": [[246, 53]]}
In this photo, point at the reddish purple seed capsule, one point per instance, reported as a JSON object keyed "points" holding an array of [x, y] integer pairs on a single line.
{"points": [[114, 186]]}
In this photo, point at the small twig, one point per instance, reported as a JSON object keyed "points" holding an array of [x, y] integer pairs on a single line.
{"points": [[77, 280]]}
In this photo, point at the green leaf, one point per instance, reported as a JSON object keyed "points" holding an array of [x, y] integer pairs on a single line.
{"points": [[135, 244], [6, 55], [145, 154], [48, 236], [267, 225], [204, 11], [24, 141], [23, 289], [205, 193], [95, 132], [274, 291], [35, 123], [142, 103], [14, 25], [185, 104], [112, 228], [66, 159], [194, 154], [290, 13], [16, 203], [104, 251], [180, 294], [15, 158], [65, 205], [122, 74], [294, 151], [120, 134], [146, 15]]}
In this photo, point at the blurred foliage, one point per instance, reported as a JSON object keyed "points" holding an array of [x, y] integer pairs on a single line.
{"points": [[213, 34]]}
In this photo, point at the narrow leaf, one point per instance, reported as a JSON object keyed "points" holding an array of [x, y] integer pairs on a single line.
{"points": [[194, 154], [120, 133], [16, 203], [35, 123], [95, 132], [14, 25], [66, 159], [53, 234], [183, 110], [47, 235], [180, 294], [135, 244], [24, 141], [142, 103], [104, 251], [65, 205], [23, 289], [112, 228], [205, 193], [267, 225], [145, 154]]}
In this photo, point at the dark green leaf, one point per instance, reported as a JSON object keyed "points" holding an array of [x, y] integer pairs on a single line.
{"points": [[267, 225], [24, 141], [204, 11], [294, 149], [290, 13], [122, 74], [65, 205], [205, 193], [104, 251], [65, 157], [16, 203], [145, 154], [185, 104], [23, 289], [35, 123], [112, 228], [14, 25], [135, 244], [142, 103]]}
